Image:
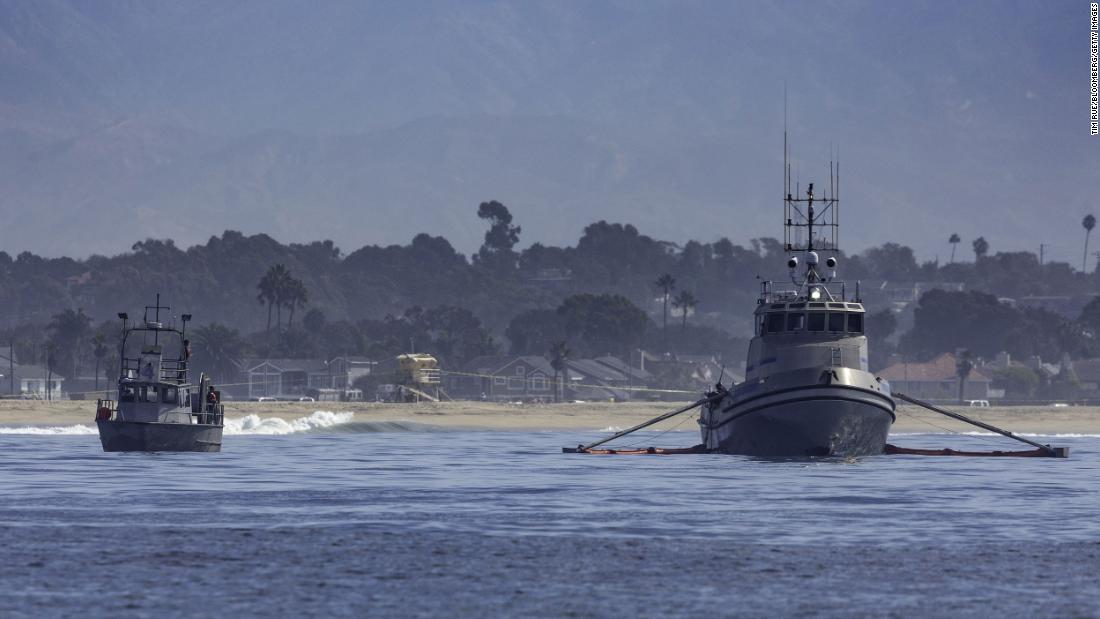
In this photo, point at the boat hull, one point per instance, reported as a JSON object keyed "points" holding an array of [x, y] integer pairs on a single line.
{"points": [[150, 436], [806, 421]]}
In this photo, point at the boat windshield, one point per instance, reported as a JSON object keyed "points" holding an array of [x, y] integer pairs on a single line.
{"points": [[812, 321]]}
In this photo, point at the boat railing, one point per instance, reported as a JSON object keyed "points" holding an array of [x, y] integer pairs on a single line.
{"points": [[105, 410], [171, 370], [209, 414]]}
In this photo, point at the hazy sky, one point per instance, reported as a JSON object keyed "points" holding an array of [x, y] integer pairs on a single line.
{"points": [[367, 122]]}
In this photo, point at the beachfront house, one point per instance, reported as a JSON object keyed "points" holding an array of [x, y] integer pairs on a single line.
{"points": [[30, 381], [936, 380], [287, 378]]}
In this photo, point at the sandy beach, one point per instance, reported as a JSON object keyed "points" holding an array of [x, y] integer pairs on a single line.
{"points": [[578, 416]]}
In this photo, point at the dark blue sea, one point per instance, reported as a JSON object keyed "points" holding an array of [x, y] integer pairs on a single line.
{"points": [[364, 519]]}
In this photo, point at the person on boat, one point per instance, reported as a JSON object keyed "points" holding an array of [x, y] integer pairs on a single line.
{"points": [[181, 372], [211, 396]]}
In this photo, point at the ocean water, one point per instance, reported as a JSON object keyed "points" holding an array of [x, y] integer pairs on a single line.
{"points": [[329, 516]]}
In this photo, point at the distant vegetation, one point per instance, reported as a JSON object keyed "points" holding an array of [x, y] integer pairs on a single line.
{"points": [[611, 293]]}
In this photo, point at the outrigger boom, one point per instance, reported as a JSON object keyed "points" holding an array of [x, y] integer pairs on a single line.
{"points": [[1040, 451]]}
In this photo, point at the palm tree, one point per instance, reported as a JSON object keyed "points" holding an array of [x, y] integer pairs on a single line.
{"points": [[981, 248], [68, 332], [685, 302], [1088, 223], [51, 356], [963, 365], [295, 296], [559, 353], [666, 283], [99, 342], [220, 347], [954, 240], [272, 287]]}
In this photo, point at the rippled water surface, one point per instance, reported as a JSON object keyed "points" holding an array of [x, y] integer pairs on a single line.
{"points": [[348, 518]]}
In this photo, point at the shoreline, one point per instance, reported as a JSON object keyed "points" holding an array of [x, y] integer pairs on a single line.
{"points": [[586, 417]]}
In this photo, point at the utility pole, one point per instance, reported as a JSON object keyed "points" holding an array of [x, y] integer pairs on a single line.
{"points": [[1041, 248], [11, 365]]}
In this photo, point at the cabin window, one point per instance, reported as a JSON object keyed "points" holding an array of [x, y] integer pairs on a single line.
{"points": [[836, 321], [126, 394], [815, 321], [796, 322], [775, 323], [855, 323], [169, 395]]}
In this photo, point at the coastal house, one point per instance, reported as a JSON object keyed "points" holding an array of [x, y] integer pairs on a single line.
{"points": [[346, 370], [936, 380], [287, 377], [29, 381], [528, 377], [474, 380], [531, 378]]}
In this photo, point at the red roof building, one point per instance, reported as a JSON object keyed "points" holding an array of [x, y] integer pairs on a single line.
{"points": [[936, 380]]}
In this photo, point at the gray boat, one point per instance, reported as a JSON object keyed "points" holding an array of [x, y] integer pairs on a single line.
{"points": [[807, 390], [158, 408]]}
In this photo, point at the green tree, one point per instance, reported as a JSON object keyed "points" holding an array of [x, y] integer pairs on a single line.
{"points": [[1088, 223], [294, 296], [69, 331], [981, 248], [602, 324], [558, 354], [534, 331], [271, 287], [217, 350], [954, 240], [964, 364], [1018, 382], [99, 350], [685, 302], [666, 284], [496, 252]]}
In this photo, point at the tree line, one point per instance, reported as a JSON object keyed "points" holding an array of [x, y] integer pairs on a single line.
{"points": [[612, 292]]}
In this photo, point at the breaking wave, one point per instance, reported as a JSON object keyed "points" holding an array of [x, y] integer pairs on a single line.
{"points": [[320, 421], [326, 421], [254, 424], [48, 430]]}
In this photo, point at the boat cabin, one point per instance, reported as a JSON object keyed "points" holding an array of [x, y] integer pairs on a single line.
{"points": [[153, 384], [800, 333]]}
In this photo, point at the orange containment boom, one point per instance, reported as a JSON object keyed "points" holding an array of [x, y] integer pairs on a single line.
{"points": [[1051, 452]]}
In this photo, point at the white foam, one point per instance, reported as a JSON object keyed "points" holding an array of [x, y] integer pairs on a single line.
{"points": [[980, 433], [612, 429], [48, 430], [254, 424]]}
